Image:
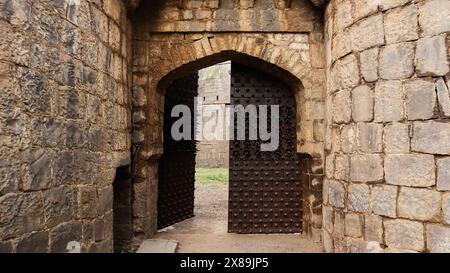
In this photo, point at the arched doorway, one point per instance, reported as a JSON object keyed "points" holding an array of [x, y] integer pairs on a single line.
{"points": [[265, 184]]}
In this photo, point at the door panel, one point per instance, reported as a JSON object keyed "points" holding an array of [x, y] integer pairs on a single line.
{"points": [[265, 187], [176, 183]]}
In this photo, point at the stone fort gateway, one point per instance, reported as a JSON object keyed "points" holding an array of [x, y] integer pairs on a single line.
{"points": [[86, 159]]}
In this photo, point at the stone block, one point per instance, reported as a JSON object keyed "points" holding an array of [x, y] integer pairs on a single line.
{"points": [[431, 137], [38, 170], [99, 23], [34, 243], [373, 228], [401, 24], [340, 45], [370, 137], [187, 14], [362, 103], [433, 17], [158, 246], [105, 200], [384, 200], [325, 191], [358, 198], [420, 99], [367, 33], [342, 109], [21, 214], [389, 101], [329, 166], [328, 244], [88, 232], [11, 180], [343, 16], [14, 45], [348, 72], [114, 37], [342, 167], [339, 224], [431, 56], [369, 64], [404, 234], [35, 91], [419, 204], [87, 202], [443, 97], [211, 4], [18, 12], [353, 225], [58, 205], [390, 4], [62, 235], [443, 174], [203, 14], [412, 170], [99, 230], [352, 245], [348, 139], [446, 208], [246, 4], [113, 9], [366, 168], [397, 61], [333, 140], [363, 8], [328, 218], [307, 131], [396, 138], [438, 238], [336, 194]]}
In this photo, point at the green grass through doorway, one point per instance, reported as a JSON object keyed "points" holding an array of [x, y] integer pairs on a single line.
{"points": [[207, 176]]}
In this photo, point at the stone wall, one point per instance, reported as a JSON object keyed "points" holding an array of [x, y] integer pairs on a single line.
{"points": [[229, 16], [214, 90], [213, 154], [388, 126], [65, 122], [163, 51], [380, 133]]}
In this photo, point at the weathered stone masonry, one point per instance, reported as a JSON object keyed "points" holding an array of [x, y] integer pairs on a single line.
{"points": [[388, 132], [65, 121], [82, 94]]}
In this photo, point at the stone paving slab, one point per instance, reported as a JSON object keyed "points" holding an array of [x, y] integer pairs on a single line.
{"points": [[158, 246]]}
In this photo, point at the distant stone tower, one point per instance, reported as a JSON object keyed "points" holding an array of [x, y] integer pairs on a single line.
{"points": [[214, 92]]}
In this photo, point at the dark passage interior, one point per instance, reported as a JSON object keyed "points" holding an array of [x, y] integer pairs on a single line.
{"points": [[122, 227], [176, 184]]}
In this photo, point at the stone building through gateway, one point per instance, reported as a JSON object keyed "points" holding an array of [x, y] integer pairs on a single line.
{"points": [[214, 92], [82, 114]]}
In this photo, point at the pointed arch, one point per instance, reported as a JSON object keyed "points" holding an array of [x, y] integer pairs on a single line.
{"points": [[161, 58]]}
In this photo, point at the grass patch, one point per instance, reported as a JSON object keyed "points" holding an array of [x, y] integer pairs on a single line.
{"points": [[206, 176]]}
